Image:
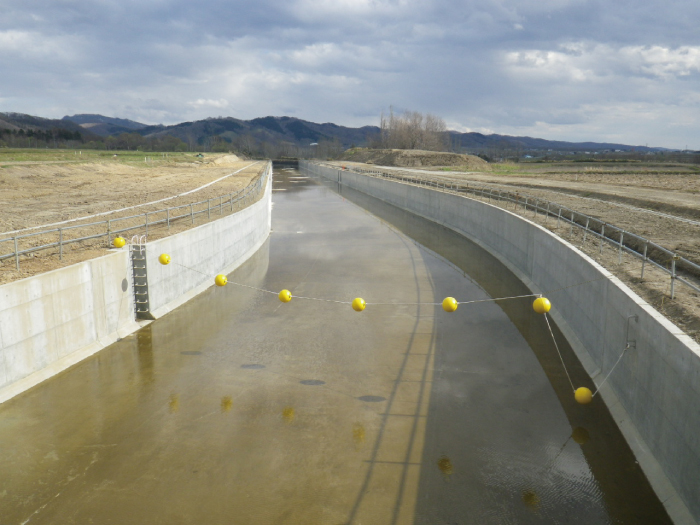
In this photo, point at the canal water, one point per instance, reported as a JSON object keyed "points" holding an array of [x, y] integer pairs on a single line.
{"points": [[239, 409]]}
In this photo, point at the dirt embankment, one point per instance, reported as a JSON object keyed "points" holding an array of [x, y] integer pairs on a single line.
{"points": [[40, 194], [415, 158]]}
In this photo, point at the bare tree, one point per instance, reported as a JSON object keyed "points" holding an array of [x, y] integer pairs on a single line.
{"points": [[413, 130]]}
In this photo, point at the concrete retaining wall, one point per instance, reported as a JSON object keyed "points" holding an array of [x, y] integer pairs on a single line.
{"points": [[54, 320], [654, 393], [203, 252], [51, 321]]}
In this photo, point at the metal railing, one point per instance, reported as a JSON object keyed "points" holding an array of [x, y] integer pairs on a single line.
{"points": [[679, 268], [230, 202]]}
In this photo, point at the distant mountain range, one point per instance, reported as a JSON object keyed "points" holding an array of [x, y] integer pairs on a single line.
{"points": [[104, 126], [278, 130], [302, 132]]}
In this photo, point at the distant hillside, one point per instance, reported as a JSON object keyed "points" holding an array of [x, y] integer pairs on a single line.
{"points": [[104, 126], [302, 133], [266, 129], [477, 142], [20, 121], [269, 136], [20, 130]]}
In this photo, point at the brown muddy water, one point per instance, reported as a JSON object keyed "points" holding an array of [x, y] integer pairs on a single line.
{"points": [[239, 409]]}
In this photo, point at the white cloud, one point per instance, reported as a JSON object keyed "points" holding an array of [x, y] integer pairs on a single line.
{"points": [[208, 103], [566, 69], [580, 61], [31, 45], [662, 61]]}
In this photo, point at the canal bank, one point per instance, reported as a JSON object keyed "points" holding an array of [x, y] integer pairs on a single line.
{"points": [[235, 404], [54, 320], [652, 393]]}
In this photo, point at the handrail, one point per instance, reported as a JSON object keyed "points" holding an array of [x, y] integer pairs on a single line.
{"points": [[222, 201], [624, 241]]}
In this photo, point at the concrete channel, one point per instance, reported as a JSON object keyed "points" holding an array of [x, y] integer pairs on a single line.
{"points": [[237, 408]]}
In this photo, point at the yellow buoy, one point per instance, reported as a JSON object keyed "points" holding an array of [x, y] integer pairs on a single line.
{"points": [[449, 304], [583, 395], [164, 258], [220, 280], [541, 305], [285, 296], [119, 242], [358, 304]]}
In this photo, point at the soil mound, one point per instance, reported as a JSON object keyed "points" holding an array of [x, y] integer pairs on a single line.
{"points": [[412, 158], [226, 159]]}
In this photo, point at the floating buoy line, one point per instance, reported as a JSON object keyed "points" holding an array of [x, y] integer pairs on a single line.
{"points": [[540, 305]]}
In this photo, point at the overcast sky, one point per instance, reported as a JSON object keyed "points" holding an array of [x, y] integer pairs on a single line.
{"points": [[619, 71]]}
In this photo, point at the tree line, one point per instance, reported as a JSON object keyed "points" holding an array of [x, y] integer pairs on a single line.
{"points": [[67, 139]]}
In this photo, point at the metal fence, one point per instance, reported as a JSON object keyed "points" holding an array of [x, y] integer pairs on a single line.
{"points": [[229, 202], [678, 268]]}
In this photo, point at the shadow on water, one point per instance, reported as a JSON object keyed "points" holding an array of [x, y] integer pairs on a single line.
{"points": [[446, 497]]}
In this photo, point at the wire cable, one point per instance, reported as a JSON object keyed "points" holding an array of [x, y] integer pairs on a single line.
{"points": [[546, 318]]}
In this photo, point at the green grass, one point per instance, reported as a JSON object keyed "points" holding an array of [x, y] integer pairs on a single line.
{"points": [[506, 167], [10, 156]]}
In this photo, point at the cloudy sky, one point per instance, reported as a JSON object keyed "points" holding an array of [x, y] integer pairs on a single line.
{"points": [[620, 71]]}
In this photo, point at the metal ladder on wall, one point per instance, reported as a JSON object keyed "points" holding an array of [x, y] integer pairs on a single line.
{"points": [[140, 277]]}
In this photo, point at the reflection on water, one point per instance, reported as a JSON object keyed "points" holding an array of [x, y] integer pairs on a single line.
{"points": [[174, 403], [144, 348], [288, 414], [531, 499], [445, 466], [580, 435], [358, 435], [226, 404]]}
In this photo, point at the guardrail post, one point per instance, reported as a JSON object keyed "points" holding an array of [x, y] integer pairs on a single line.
{"points": [[537, 203], [673, 275], [221, 207], [644, 260], [146, 214], [231, 199], [558, 218], [571, 228], [16, 254], [619, 258], [191, 213], [60, 244], [602, 238], [546, 217], [585, 232], [109, 232]]}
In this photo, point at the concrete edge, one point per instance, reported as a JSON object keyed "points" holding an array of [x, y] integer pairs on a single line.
{"points": [[182, 299], [26, 383], [172, 305], [66, 362], [662, 486]]}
